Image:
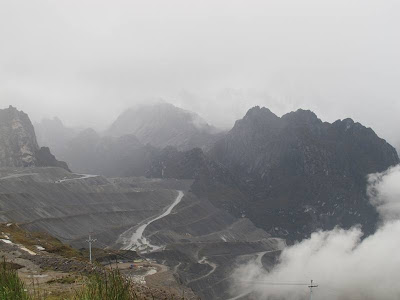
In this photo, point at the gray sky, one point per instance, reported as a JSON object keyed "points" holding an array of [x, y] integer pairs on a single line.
{"points": [[86, 61]]}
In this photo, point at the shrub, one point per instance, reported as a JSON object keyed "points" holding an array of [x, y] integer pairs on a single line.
{"points": [[110, 285]]}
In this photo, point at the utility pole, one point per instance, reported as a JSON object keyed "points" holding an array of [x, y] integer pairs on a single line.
{"points": [[90, 241], [311, 286]]}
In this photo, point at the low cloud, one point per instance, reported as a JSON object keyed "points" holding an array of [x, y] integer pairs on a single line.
{"points": [[384, 191], [344, 265]]}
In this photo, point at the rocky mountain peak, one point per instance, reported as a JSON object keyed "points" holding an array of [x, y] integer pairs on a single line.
{"points": [[18, 144], [257, 120], [89, 133], [302, 116], [296, 162], [259, 113]]}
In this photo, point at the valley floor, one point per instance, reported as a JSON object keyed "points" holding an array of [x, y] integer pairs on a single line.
{"points": [[193, 245]]}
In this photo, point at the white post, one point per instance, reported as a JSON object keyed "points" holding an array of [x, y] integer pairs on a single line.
{"points": [[90, 241], [311, 286], [90, 249]]}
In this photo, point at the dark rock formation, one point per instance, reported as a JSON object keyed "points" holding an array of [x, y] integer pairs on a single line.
{"points": [[18, 145], [164, 125], [44, 158], [302, 173], [212, 181]]}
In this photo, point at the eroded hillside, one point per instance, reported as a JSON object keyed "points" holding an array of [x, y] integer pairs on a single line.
{"points": [[198, 242]]}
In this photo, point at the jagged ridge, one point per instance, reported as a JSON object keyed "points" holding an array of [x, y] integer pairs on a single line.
{"points": [[302, 173]]}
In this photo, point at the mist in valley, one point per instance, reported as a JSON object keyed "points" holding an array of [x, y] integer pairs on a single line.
{"points": [[343, 263]]}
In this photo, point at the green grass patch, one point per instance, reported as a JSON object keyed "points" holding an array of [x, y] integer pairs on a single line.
{"points": [[29, 239], [70, 279], [107, 285], [11, 286]]}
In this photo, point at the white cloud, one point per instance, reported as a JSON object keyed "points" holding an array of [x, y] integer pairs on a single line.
{"points": [[341, 263], [384, 191]]}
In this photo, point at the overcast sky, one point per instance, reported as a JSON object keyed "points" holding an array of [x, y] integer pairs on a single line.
{"points": [[86, 61]]}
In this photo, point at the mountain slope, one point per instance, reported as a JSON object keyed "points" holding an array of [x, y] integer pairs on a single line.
{"points": [[196, 235], [162, 125], [211, 180], [18, 145], [302, 173]]}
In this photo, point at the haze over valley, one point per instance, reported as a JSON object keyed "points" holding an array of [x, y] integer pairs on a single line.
{"points": [[229, 150], [206, 203]]}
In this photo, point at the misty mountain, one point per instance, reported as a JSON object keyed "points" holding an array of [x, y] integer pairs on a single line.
{"points": [[125, 149], [301, 173], [289, 175], [91, 153], [164, 124], [54, 134], [87, 151], [18, 144]]}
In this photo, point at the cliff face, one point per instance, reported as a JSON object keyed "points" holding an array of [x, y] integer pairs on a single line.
{"points": [[17, 139], [211, 180], [18, 145], [302, 173]]}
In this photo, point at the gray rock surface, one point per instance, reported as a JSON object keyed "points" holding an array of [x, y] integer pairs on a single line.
{"points": [[301, 173], [18, 145]]}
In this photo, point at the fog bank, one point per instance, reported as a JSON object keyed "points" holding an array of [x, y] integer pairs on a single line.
{"points": [[343, 265]]}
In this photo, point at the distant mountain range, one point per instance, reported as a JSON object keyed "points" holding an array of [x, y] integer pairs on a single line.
{"points": [[120, 150], [164, 124], [290, 175]]}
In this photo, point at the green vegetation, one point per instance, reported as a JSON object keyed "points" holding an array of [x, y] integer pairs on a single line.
{"points": [[11, 287], [71, 279], [107, 285], [104, 285], [30, 239], [101, 285]]}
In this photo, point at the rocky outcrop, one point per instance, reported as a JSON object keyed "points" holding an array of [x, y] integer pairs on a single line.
{"points": [[44, 158], [301, 173], [17, 139], [164, 125], [18, 145]]}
